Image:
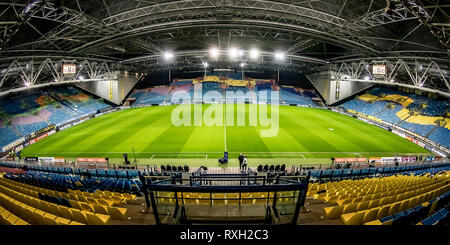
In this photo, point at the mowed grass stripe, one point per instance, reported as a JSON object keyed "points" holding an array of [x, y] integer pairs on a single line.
{"points": [[342, 138], [206, 139], [245, 138], [77, 134], [378, 138], [302, 134], [148, 134], [126, 129], [87, 137]]}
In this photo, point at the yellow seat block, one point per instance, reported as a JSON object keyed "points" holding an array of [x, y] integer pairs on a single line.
{"points": [[76, 223], [62, 221], [97, 219], [118, 213], [12, 219], [370, 215], [352, 218], [21, 222], [333, 212], [79, 216], [373, 222], [100, 209], [50, 219]]}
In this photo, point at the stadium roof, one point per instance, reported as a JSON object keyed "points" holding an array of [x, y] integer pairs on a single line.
{"points": [[410, 36]]}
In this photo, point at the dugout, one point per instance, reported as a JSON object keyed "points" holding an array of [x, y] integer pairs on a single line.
{"points": [[225, 198]]}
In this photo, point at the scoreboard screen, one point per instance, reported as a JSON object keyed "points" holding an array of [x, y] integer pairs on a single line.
{"points": [[69, 69], [379, 70]]}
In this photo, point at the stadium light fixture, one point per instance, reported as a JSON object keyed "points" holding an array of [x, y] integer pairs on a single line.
{"points": [[367, 78], [254, 53], [27, 84], [80, 78], [205, 64], [242, 64], [233, 53], [279, 55], [168, 55], [214, 53]]}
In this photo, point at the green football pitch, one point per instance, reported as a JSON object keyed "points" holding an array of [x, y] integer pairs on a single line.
{"points": [[303, 133]]}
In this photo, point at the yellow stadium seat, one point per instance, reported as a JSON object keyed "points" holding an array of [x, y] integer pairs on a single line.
{"points": [[66, 212], [370, 215], [362, 206], [404, 205], [129, 197], [39, 216], [53, 209], [76, 223], [86, 206], [21, 222], [43, 206], [383, 211], [79, 216], [432, 208], [333, 212], [50, 219], [394, 208], [62, 221], [331, 199], [91, 200], [118, 213], [320, 196], [97, 219], [352, 218], [11, 219], [358, 199], [72, 196], [349, 208], [374, 222], [100, 209], [384, 201], [344, 201]]}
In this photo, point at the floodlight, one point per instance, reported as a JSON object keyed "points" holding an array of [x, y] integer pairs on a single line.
{"points": [[254, 53], [233, 53], [168, 55], [279, 55], [214, 52]]}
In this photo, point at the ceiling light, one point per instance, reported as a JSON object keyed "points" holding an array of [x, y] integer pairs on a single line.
{"points": [[233, 53], [214, 52], [254, 53], [279, 55], [168, 55]]}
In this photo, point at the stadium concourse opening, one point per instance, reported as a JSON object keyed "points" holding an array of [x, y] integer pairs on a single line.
{"points": [[224, 112]]}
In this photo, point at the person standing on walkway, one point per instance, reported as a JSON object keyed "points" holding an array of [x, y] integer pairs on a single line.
{"points": [[241, 160], [244, 163]]}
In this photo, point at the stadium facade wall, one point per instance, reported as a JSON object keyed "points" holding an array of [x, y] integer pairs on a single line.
{"points": [[326, 85], [115, 90]]}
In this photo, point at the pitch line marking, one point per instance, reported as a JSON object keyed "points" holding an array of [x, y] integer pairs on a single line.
{"points": [[255, 152], [152, 156], [225, 128]]}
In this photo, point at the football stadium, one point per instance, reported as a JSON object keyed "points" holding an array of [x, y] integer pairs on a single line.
{"points": [[219, 112]]}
